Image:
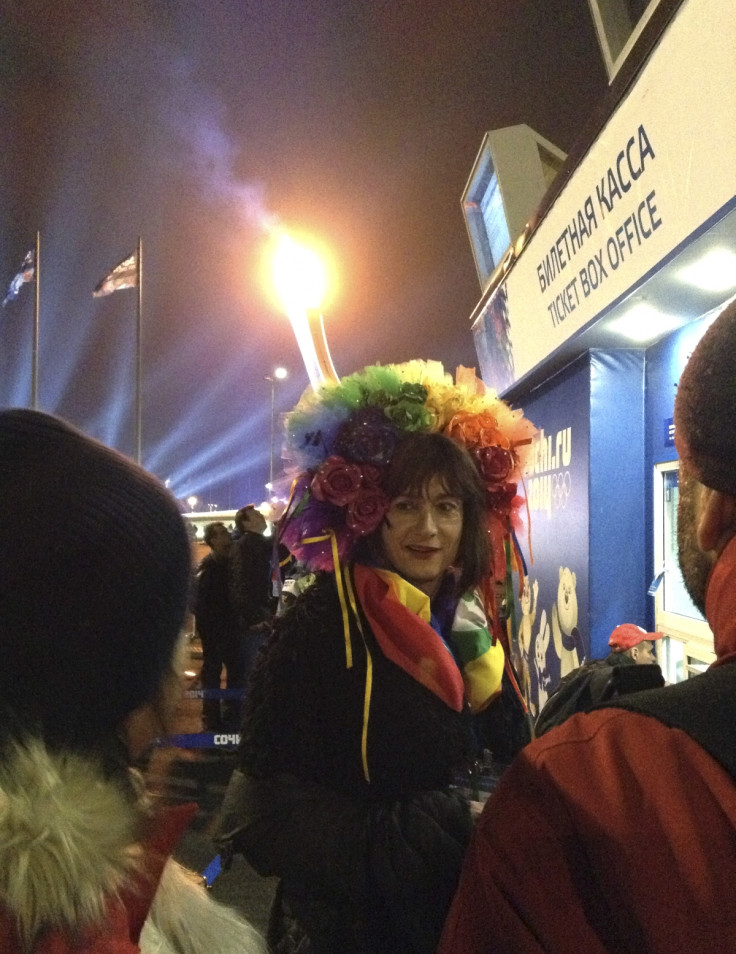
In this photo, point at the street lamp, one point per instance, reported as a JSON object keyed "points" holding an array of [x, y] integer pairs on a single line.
{"points": [[301, 277], [278, 375], [192, 501]]}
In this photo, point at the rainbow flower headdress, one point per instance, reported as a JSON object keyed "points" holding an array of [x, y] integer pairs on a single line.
{"points": [[340, 438]]}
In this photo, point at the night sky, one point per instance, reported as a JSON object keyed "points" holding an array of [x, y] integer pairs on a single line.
{"points": [[193, 124]]}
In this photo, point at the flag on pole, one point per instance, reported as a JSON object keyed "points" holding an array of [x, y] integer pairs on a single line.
{"points": [[124, 275], [26, 274]]}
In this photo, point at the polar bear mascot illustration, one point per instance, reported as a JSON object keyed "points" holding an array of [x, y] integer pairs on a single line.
{"points": [[565, 633]]}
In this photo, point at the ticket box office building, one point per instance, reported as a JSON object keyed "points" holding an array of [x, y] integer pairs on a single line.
{"points": [[588, 312]]}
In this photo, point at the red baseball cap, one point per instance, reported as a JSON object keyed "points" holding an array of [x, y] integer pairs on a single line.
{"points": [[628, 635]]}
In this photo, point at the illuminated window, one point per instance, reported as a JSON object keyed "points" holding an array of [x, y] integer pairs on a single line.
{"points": [[513, 169], [687, 646], [618, 24]]}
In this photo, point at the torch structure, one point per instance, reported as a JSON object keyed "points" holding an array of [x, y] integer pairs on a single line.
{"points": [[278, 375], [300, 277]]}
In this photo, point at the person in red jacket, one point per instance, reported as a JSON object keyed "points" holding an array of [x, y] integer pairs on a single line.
{"points": [[616, 831]]}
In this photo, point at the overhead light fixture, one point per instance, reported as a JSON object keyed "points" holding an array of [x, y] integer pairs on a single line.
{"points": [[643, 322], [715, 271]]}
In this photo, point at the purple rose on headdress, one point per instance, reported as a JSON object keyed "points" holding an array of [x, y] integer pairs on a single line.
{"points": [[366, 512], [315, 521], [366, 437], [494, 463], [337, 482]]}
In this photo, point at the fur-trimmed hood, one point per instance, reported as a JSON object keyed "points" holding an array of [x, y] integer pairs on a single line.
{"points": [[66, 839], [70, 852]]}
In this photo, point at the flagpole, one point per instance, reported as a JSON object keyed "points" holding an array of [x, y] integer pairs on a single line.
{"points": [[138, 341], [34, 357]]}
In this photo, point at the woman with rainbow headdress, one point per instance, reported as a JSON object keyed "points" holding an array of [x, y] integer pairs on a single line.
{"points": [[365, 700]]}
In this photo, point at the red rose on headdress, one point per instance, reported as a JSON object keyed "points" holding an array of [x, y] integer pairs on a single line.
{"points": [[337, 482], [494, 463], [501, 499], [365, 512]]}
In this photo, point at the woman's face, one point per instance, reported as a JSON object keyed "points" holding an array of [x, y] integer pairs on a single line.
{"points": [[421, 535]]}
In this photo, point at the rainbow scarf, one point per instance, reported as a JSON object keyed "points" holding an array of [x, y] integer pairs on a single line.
{"points": [[399, 616]]}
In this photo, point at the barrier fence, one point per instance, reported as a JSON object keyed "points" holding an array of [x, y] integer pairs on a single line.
{"points": [[205, 740]]}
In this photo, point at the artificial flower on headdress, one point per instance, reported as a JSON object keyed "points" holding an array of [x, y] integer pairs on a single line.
{"points": [[340, 439]]}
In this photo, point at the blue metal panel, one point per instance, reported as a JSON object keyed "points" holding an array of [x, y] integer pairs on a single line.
{"points": [[618, 572]]}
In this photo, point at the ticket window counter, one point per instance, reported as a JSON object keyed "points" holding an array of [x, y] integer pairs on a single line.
{"points": [[687, 646]]}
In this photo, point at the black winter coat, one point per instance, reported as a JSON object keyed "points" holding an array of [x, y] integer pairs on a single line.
{"points": [[366, 866], [250, 578]]}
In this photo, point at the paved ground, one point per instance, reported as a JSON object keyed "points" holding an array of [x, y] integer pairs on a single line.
{"points": [[201, 775]]}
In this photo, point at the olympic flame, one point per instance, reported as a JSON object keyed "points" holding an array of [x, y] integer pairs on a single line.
{"points": [[300, 277]]}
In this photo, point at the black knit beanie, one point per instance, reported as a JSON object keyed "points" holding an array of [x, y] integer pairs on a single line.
{"points": [[94, 571], [705, 432]]}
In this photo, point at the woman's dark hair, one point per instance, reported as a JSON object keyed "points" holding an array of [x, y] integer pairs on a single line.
{"points": [[416, 460]]}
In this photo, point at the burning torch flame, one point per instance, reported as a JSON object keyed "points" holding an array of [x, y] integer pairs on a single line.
{"points": [[301, 279]]}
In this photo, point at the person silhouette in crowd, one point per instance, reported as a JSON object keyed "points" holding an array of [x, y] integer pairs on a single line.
{"points": [[616, 831], [91, 613], [251, 568], [251, 582], [629, 667], [216, 623], [630, 642], [251, 576]]}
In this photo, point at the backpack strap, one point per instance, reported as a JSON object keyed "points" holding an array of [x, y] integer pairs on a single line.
{"points": [[704, 707]]}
